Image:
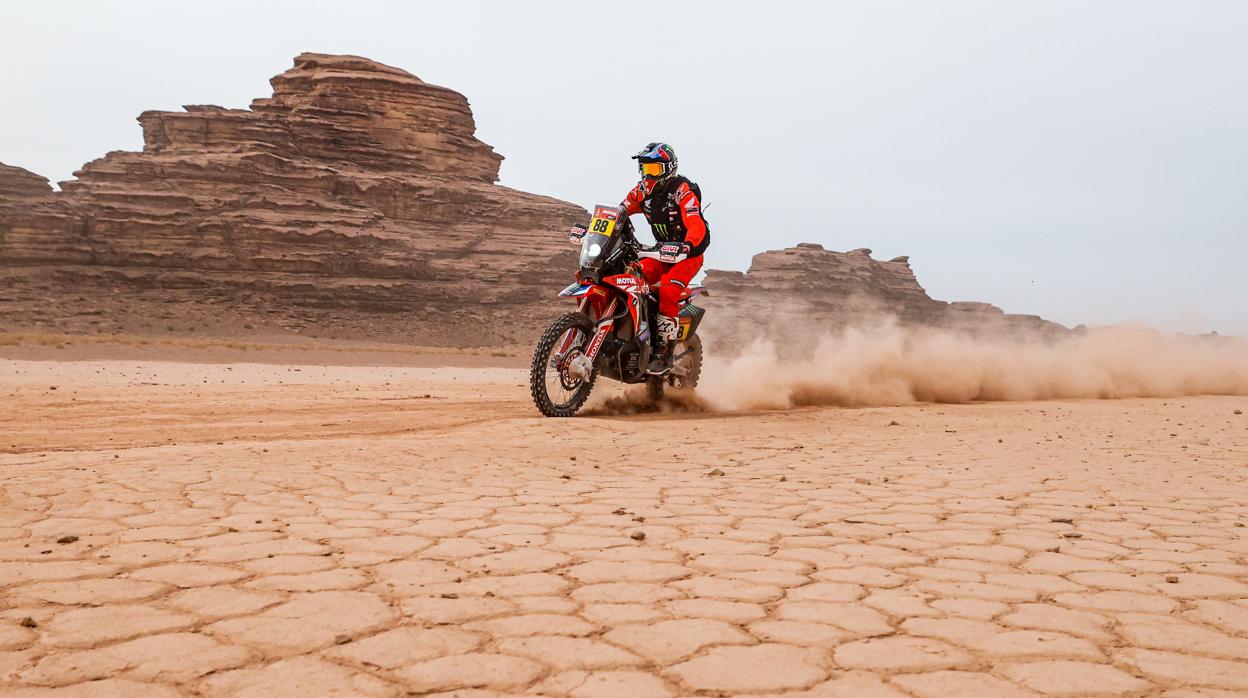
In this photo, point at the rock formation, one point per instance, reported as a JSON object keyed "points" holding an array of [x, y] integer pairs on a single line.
{"points": [[355, 201], [797, 293]]}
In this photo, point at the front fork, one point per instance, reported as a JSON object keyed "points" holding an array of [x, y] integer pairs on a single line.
{"points": [[600, 334], [604, 327]]}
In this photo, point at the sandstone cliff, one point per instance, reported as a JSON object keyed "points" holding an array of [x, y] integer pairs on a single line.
{"points": [[794, 294], [355, 201]]}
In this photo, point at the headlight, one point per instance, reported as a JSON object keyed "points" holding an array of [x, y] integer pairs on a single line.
{"points": [[594, 250]]}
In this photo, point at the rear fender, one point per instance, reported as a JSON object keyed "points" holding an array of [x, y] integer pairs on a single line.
{"points": [[688, 320]]}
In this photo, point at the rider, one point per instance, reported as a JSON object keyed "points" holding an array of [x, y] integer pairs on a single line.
{"points": [[671, 205]]}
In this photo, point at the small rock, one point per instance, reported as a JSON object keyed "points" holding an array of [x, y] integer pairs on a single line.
{"points": [[1072, 534], [1173, 579], [716, 473], [1238, 412], [894, 423], [784, 478], [29, 622], [1062, 519], [565, 477], [620, 512], [341, 640], [638, 535], [450, 596], [66, 540], [862, 481], [573, 457]]}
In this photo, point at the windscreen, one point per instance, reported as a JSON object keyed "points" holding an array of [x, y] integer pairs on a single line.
{"points": [[601, 237]]}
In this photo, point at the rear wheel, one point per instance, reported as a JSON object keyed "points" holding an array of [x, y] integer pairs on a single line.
{"points": [[686, 370], [561, 377], [687, 364]]}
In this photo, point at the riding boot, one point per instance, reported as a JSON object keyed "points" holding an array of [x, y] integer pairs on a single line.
{"points": [[665, 333]]}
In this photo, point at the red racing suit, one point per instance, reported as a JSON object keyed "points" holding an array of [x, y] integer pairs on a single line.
{"points": [[674, 213]]}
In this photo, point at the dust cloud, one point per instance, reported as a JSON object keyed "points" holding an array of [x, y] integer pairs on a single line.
{"points": [[884, 364], [636, 400]]}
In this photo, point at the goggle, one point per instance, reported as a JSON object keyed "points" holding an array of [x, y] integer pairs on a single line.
{"points": [[652, 169]]}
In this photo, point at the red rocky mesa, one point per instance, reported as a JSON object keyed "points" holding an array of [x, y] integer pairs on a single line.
{"points": [[355, 201]]}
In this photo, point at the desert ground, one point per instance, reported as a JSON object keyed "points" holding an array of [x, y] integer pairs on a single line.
{"points": [[275, 523]]}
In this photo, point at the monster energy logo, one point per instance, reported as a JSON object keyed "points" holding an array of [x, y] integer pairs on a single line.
{"points": [[660, 229]]}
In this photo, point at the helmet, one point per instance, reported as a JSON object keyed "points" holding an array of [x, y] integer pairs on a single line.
{"points": [[660, 154]]}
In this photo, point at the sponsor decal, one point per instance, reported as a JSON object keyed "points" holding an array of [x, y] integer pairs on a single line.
{"points": [[574, 290], [597, 343], [671, 253]]}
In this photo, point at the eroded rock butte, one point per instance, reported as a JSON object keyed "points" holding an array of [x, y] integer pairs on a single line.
{"points": [[355, 201]]}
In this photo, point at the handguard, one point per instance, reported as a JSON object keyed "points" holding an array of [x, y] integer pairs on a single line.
{"points": [[668, 252], [673, 252]]}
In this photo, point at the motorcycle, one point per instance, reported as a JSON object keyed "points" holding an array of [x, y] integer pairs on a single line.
{"points": [[609, 334]]}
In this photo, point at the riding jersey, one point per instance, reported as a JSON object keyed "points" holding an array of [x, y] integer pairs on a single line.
{"points": [[673, 211]]}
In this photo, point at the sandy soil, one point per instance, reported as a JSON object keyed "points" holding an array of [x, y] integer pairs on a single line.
{"points": [[281, 529]]}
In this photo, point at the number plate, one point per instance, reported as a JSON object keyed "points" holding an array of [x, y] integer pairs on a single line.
{"points": [[603, 222]]}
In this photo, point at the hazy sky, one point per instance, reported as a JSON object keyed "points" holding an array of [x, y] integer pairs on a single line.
{"points": [[1085, 160]]}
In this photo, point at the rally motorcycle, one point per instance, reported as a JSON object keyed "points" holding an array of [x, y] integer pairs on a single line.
{"points": [[609, 333]]}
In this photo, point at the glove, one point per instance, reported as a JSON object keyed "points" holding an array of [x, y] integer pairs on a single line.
{"points": [[673, 252]]}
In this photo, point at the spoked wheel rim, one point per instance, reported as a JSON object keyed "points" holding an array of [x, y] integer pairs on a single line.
{"points": [[688, 367], [562, 386], [561, 376]]}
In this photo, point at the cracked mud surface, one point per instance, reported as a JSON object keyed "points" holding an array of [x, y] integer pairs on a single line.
{"points": [[188, 529]]}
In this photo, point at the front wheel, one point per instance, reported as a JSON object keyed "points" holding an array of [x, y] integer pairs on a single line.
{"points": [[561, 376]]}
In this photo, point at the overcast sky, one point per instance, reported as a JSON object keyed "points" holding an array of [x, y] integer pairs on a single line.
{"points": [[1085, 160]]}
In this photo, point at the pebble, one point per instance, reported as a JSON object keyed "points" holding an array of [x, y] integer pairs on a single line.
{"points": [[637, 535], [66, 540]]}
